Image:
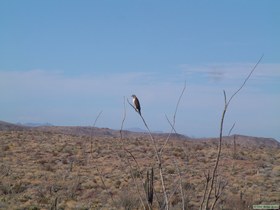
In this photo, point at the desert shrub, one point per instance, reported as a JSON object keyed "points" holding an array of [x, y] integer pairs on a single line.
{"points": [[5, 188], [5, 148], [128, 200], [19, 187], [179, 205], [276, 170], [235, 203], [49, 167], [5, 170], [28, 208], [188, 186], [136, 173], [170, 170], [74, 187], [198, 147], [117, 184]]}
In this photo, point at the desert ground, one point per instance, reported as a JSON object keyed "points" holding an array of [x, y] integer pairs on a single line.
{"points": [[93, 168]]}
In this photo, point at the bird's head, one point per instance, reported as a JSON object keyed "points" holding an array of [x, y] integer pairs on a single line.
{"points": [[133, 96]]}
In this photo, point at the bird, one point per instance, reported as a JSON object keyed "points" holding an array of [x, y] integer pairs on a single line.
{"points": [[136, 104]]}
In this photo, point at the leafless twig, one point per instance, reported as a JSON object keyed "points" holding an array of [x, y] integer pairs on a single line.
{"points": [[130, 166], [226, 104], [232, 127], [129, 163], [181, 184], [174, 119], [124, 116], [97, 167], [91, 133], [219, 188], [207, 180], [158, 158]]}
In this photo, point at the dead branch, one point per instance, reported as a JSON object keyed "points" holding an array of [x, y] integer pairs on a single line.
{"points": [[174, 119], [219, 188], [230, 130], [226, 104], [207, 180], [181, 184], [91, 133], [104, 185], [173, 129], [97, 167], [130, 166], [124, 117], [158, 158]]}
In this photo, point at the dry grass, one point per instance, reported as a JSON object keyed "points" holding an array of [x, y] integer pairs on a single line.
{"points": [[46, 170]]}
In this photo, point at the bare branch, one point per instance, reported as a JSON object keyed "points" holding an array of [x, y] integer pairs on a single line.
{"points": [[158, 157], [207, 180], [91, 133], [97, 167], [231, 129], [225, 96], [172, 126], [178, 102], [95, 121], [104, 185], [97, 118], [221, 132], [247, 78], [130, 167], [124, 116], [174, 119], [219, 188], [175, 189], [181, 183]]}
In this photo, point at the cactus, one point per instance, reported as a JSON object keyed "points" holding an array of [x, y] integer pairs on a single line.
{"points": [[149, 186]]}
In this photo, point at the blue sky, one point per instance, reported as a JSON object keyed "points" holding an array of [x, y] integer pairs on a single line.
{"points": [[63, 62]]}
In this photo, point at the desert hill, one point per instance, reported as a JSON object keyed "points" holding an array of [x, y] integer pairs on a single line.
{"points": [[248, 141], [107, 132], [5, 126], [59, 167]]}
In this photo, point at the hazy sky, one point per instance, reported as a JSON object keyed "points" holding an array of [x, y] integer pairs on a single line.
{"points": [[63, 62]]}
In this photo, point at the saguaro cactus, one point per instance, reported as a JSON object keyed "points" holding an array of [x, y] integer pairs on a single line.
{"points": [[149, 186]]}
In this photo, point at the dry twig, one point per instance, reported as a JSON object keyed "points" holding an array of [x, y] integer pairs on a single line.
{"points": [[158, 158], [129, 163], [174, 119], [226, 105]]}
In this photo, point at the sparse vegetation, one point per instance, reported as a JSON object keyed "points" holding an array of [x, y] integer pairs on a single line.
{"points": [[37, 172]]}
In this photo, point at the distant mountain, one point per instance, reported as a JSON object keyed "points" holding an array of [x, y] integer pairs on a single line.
{"points": [[106, 132], [5, 126], [242, 140], [136, 130], [35, 124], [257, 141], [140, 130]]}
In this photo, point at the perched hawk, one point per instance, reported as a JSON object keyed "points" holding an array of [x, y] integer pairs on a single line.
{"points": [[136, 104]]}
